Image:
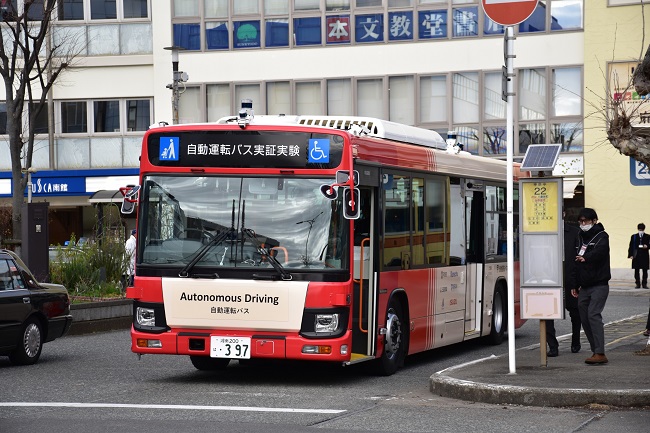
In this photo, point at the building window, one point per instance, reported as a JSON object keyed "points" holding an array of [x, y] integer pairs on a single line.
{"points": [[135, 9], [566, 14], [36, 10], [494, 107], [3, 118], [276, 7], [306, 5], [401, 94], [188, 36], [465, 97], [107, 116], [370, 97], [278, 97], [188, 8], [433, 99], [308, 98], [138, 114], [400, 26], [465, 21], [40, 121], [70, 10], [494, 140], [216, 8], [103, 10], [74, 117], [569, 135], [567, 92], [246, 34], [277, 33], [537, 21], [246, 7], [432, 24], [369, 28], [532, 94], [307, 31], [216, 36], [338, 29], [218, 101], [339, 97]]}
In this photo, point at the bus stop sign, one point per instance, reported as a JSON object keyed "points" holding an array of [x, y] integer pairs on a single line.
{"points": [[509, 12]]}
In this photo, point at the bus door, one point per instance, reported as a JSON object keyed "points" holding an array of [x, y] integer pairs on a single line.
{"points": [[474, 211], [364, 307]]}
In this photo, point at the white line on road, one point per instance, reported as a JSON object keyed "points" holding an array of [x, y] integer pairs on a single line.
{"points": [[166, 406]]}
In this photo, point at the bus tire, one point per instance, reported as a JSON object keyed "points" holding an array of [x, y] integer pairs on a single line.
{"points": [[499, 320], [394, 341], [207, 363], [31, 344]]}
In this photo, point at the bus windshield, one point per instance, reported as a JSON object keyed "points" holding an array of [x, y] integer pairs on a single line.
{"points": [[235, 222]]}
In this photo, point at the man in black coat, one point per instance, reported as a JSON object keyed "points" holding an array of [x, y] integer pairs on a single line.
{"points": [[593, 275], [638, 252]]}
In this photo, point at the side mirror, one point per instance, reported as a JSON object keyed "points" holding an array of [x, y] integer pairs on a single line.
{"points": [[350, 199], [130, 198], [343, 176], [329, 191]]}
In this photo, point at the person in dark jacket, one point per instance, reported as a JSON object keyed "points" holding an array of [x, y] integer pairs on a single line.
{"points": [[570, 303], [592, 275], [638, 252]]}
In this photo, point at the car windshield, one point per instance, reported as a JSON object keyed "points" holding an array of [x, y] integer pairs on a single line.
{"points": [[237, 222]]}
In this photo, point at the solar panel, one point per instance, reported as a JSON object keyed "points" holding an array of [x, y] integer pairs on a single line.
{"points": [[540, 157]]}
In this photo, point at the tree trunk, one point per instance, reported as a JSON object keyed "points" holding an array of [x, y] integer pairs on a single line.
{"points": [[641, 78]]}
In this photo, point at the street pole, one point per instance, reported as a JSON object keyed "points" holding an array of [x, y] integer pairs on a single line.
{"points": [[177, 77], [175, 95], [509, 35]]}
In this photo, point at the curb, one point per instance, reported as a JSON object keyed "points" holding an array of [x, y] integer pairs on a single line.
{"points": [[100, 316], [445, 386]]}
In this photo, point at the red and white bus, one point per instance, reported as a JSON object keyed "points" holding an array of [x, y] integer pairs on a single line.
{"points": [[315, 238]]}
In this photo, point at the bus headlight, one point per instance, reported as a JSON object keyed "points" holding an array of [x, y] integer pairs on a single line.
{"points": [[328, 323], [145, 316]]}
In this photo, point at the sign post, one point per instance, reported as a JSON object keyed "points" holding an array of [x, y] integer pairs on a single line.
{"points": [[508, 13]]}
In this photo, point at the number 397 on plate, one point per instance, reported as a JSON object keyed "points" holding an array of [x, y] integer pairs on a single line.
{"points": [[230, 347]]}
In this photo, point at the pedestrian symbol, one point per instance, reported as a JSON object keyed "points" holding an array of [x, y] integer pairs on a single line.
{"points": [[169, 148]]}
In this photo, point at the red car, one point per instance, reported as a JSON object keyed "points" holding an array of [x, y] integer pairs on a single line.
{"points": [[31, 313]]}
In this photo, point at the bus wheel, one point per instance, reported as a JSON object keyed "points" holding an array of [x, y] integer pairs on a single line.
{"points": [[207, 363], [394, 340], [499, 316]]}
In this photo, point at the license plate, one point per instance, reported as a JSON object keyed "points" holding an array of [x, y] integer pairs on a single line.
{"points": [[230, 347]]}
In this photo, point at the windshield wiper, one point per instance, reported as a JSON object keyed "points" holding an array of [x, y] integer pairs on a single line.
{"points": [[286, 276], [184, 273]]}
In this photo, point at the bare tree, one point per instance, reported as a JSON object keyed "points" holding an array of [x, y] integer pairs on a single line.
{"points": [[623, 119], [31, 60]]}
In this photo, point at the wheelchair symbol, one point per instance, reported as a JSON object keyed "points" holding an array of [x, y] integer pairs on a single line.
{"points": [[319, 150]]}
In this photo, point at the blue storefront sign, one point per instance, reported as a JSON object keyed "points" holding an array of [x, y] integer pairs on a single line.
{"points": [[58, 186]]}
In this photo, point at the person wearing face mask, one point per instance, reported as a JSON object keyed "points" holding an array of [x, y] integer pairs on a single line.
{"points": [[638, 252], [593, 275]]}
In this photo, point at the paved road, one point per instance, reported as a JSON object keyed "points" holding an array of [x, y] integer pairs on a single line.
{"points": [[94, 383]]}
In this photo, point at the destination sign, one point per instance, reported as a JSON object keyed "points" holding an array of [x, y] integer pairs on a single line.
{"points": [[245, 149]]}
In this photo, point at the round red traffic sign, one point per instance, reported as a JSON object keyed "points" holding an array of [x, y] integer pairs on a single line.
{"points": [[509, 12]]}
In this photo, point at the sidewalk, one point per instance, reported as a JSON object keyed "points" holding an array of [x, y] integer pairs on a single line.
{"points": [[566, 380]]}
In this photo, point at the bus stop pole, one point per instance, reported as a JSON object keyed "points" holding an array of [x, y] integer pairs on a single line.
{"points": [[509, 35]]}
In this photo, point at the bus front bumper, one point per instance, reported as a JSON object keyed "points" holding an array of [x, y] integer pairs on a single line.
{"points": [[198, 343]]}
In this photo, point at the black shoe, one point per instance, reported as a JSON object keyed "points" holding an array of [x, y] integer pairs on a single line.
{"points": [[552, 353], [575, 348], [645, 286], [637, 286]]}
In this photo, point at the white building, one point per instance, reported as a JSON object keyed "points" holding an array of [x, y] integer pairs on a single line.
{"points": [[430, 63]]}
